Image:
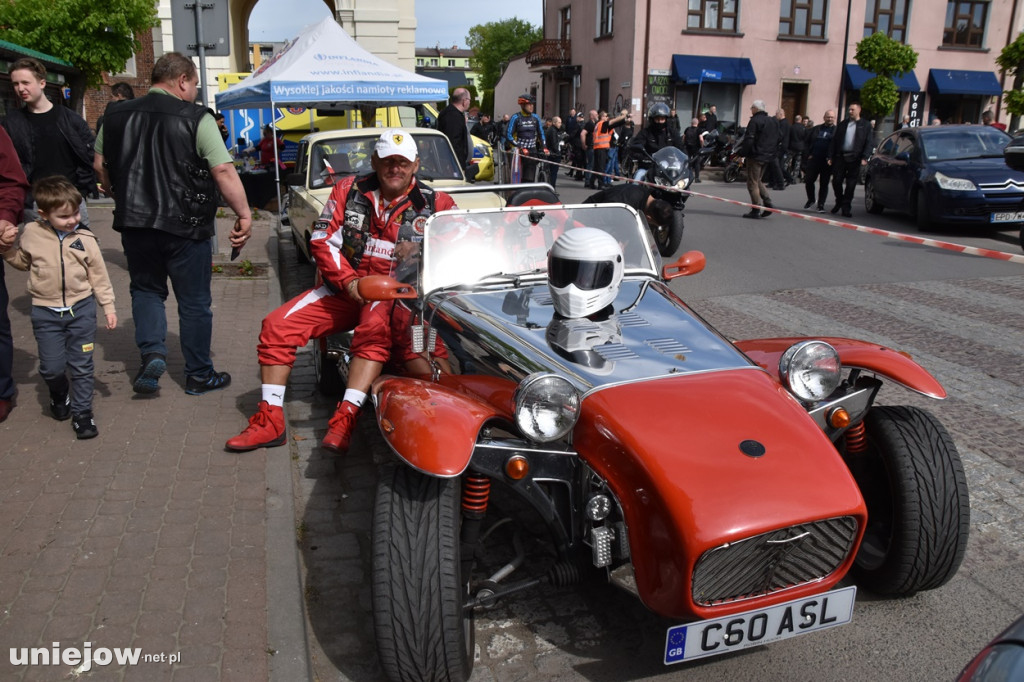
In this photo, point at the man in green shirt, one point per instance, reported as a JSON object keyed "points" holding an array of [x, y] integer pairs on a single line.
{"points": [[163, 159]]}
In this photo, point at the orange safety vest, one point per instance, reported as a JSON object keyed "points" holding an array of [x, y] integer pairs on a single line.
{"points": [[602, 135]]}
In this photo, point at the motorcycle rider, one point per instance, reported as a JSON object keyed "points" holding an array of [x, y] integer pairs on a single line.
{"points": [[656, 135], [525, 133], [816, 166], [357, 234]]}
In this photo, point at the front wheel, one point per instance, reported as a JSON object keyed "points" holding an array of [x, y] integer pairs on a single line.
{"points": [[871, 203], [732, 171], [668, 237], [423, 632], [326, 371], [915, 490]]}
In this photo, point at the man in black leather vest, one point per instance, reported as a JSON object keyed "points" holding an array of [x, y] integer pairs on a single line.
{"points": [[163, 159]]}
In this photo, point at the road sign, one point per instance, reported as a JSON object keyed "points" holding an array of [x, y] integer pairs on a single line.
{"points": [[214, 17], [709, 75]]}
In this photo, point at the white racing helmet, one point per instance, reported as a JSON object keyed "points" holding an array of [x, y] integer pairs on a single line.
{"points": [[584, 271]]}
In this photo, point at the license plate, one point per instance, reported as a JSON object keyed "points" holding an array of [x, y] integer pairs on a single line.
{"points": [[763, 626], [1008, 217]]}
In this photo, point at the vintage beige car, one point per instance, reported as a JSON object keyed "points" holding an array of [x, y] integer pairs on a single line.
{"points": [[324, 158]]}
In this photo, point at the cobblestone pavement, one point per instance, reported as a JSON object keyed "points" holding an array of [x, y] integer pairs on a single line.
{"points": [[970, 334], [150, 536]]}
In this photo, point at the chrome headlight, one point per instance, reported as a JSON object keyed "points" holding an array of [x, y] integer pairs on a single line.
{"points": [[547, 407], [954, 184], [684, 183], [810, 370]]}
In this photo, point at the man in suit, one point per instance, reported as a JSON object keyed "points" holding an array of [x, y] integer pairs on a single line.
{"points": [[850, 149]]}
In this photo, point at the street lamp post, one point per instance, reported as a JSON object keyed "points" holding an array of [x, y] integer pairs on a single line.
{"points": [[842, 73]]}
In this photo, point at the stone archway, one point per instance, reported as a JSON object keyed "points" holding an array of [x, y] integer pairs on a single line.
{"points": [[239, 12]]}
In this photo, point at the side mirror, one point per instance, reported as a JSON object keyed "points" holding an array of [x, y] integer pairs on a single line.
{"points": [[690, 263], [384, 288], [295, 179]]}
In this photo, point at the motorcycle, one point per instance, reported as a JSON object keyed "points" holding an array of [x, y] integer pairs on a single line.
{"points": [[669, 168], [735, 164]]}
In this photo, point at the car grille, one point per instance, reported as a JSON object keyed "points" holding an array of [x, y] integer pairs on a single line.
{"points": [[773, 561]]}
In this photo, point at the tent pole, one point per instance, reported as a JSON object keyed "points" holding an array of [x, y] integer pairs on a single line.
{"points": [[277, 161]]}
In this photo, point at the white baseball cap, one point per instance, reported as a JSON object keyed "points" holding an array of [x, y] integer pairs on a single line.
{"points": [[394, 142]]}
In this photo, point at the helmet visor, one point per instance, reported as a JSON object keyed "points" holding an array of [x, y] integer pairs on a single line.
{"points": [[585, 274]]}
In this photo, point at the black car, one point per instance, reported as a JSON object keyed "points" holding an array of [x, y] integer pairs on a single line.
{"points": [[1002, 660], [953, 174]]}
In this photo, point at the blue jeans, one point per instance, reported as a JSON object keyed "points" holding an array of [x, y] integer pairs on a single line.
{"points": [[612, 167], [153, 257]]}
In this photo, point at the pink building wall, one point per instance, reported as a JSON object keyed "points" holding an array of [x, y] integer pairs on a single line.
{"points": [[811, 68]]}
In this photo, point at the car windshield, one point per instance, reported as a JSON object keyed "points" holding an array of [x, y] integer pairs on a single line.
{"points": [[975, 142], [470, 249], [333, 158]]}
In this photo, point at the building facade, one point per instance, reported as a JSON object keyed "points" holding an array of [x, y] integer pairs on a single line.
{"points": [[793, 54], [448, 64]]}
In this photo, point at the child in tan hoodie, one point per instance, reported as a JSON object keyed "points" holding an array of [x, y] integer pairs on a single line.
{"points": [[67, 278]]}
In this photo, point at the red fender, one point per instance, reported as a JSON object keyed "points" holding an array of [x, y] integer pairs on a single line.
{"points": [[890, 363], [430, 426]]}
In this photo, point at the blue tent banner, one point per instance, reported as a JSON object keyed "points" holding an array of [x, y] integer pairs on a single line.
{"points": [[856, 77], [950, 82]]}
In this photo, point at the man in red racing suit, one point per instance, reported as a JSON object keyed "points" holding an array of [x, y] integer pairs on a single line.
{"points": [[356, 235]]}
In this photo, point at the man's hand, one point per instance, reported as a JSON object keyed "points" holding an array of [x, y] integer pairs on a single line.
{"points": [[111, 321], [241, 232], [404, 250], [8, 234], [353, 291]]}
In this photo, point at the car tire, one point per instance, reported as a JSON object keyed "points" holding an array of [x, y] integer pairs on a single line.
{"points": [[915, 490], [422, 630], [329, 380], [871, 203], [668, 238]]}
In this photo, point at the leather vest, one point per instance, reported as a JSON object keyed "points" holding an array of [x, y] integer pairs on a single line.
{"points": [[159, 179]]}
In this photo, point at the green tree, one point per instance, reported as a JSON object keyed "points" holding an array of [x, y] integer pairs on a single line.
{"points": [[1011, 61], [96, 36], [884, 57], [495, 42]]}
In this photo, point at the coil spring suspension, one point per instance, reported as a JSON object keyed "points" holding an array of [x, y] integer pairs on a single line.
{"points": [[856, 439], [476, 491]]}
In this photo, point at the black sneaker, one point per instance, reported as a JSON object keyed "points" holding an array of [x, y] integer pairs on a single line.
{"points": [[84, 426], [211, 382], [809, 204], [147, 380], [60, 406]]}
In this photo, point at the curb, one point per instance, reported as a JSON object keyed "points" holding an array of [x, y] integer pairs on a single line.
{"points": [[287, 643]]}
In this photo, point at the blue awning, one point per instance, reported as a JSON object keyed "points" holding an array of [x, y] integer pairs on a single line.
{"points": [[856, 77], [949, 82], [693, 68]]}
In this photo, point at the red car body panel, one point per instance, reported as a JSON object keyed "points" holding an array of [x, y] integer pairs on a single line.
{"points": [[670, 451], [431, 427], [853, 353]]}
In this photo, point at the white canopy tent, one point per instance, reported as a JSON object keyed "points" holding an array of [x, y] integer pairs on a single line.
{"points": [[324, 68]]}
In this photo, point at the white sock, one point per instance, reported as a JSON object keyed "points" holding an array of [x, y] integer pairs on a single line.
{"points": [[274, 394], [355, 397]]}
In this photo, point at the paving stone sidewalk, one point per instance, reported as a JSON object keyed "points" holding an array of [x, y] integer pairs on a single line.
{"points": [[150, 538]]}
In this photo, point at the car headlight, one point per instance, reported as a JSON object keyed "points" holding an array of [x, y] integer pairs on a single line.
{"points": [[811, 370], [547, 407], [954, 184]]}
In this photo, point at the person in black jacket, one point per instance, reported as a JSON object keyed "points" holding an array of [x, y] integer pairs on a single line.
{"points": [[850, 149], [452, 122], [656, 134], [797, 136], [711, 118], [815, 158], [50, 139], [780, 177], [760, 143]]}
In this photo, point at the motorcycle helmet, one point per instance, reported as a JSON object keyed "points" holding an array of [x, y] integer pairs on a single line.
{"points": [[527, 98], [584, 271], [657, 110]]}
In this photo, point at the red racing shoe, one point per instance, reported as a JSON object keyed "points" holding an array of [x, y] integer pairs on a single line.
{"points": [[339, 428], [265, 430]]}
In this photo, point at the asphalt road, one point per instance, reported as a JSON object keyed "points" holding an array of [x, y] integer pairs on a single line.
{"points": [[959, 316]]}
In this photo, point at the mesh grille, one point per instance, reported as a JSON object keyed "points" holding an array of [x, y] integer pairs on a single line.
{"points": [[773, 561]]}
